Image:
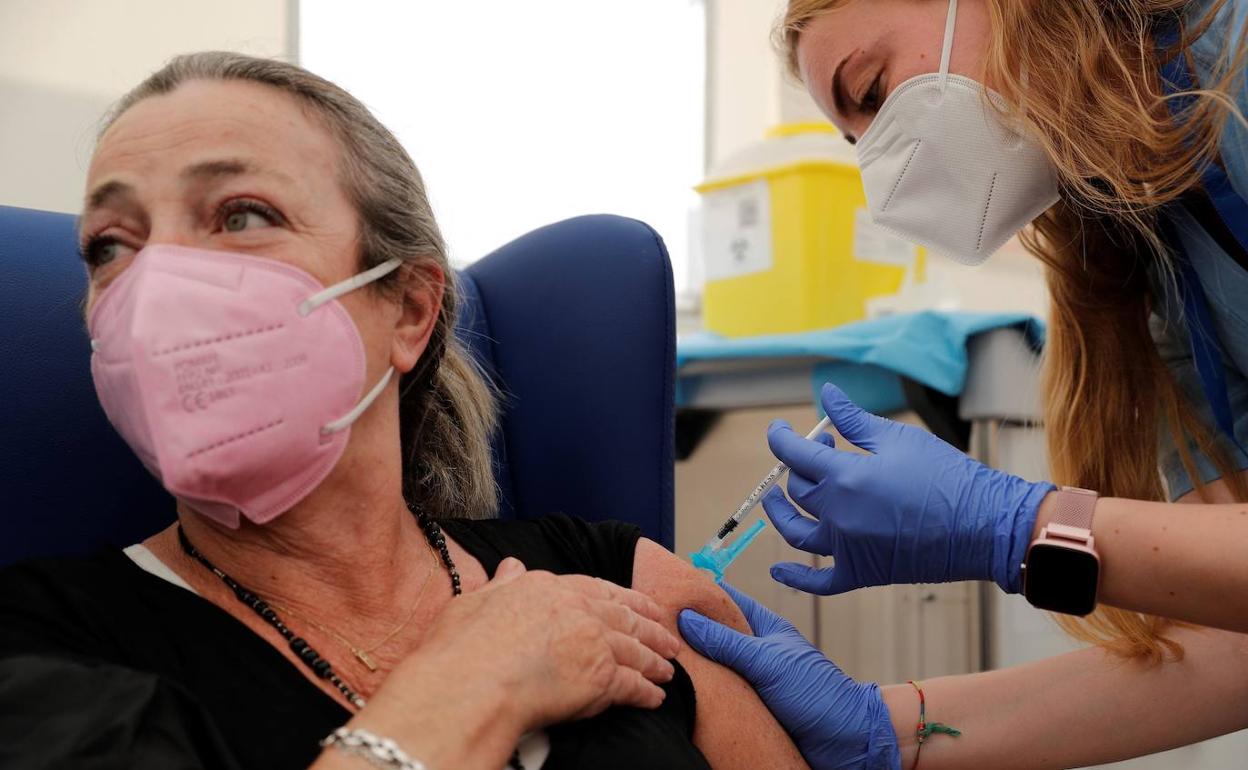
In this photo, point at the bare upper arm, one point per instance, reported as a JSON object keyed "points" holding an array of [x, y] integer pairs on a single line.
{"points": [[733, 727]]}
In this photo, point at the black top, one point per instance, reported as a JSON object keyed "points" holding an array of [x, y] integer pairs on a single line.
{"points": [[104, 665]]}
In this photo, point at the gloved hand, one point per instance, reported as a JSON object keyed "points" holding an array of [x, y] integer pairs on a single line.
{"points": [[916, 510], [835, 721]]}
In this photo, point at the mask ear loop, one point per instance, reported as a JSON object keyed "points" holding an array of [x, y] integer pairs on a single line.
{"points": [[347, 286], [329, 295], [344, 422], [946, 52]]}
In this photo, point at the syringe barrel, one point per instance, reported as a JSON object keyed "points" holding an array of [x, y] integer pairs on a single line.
{"points": [[772, 478], [766, 484], [751, 500]]}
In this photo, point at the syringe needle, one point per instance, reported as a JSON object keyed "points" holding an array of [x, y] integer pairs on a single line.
{"points": [[770, 480]]}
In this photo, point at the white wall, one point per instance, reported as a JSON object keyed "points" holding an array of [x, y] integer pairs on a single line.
{"points": [[748, 90], [743, 80], [63, 62]]}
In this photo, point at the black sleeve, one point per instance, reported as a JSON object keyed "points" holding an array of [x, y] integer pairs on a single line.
{"points": [[557, 543], [603, 549], [58, 712]]}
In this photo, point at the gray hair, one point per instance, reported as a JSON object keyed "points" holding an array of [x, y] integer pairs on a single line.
{"points": [[447, 411]]}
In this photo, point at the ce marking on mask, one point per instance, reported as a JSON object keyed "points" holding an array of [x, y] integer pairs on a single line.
{"points": [[204, 379]]}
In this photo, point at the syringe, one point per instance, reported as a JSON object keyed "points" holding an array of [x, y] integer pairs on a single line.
{"points": [[709, 557]]}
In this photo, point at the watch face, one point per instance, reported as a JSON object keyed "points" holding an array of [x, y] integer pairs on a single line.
{"points": [[1061, 579]]}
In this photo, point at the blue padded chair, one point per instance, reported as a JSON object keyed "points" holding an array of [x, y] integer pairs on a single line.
{"points": [[574, 322]]}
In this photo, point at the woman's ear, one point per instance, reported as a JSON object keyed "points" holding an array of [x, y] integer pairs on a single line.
{"points": [[423, 288]]}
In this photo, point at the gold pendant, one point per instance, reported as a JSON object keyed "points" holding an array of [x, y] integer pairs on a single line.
{"points": [[367, 661]]}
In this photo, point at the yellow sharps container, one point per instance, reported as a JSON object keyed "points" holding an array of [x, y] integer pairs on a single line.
{"points": [[787, 243]]}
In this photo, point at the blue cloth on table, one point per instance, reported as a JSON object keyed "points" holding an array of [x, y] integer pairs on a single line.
{"points": [[867, 358]]}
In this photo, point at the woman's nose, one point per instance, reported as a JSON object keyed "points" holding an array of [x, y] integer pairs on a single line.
{"points": [[173, 235], [176, 224]]}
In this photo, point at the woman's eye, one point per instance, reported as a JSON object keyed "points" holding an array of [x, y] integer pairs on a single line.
{"points": [[238, 216], [101, 250], [240, 220], [871, 99]]}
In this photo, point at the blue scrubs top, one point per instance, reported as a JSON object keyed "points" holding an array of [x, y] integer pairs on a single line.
{"points": [[1225, 282]]}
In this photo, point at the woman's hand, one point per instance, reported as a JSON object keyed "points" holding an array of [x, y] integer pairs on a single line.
{"points": [[835, 721], [916, 510], [526, 650], [564, 647]]}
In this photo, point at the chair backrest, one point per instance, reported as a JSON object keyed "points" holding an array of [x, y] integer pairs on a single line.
{"points": [[573, 322]]}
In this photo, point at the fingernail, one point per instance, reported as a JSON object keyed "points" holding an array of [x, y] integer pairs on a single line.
{"points": [[687, 616], [669, 673], [689, 622]]}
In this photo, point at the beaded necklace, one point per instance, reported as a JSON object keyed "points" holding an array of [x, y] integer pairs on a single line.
{"points": [[304, 651]]}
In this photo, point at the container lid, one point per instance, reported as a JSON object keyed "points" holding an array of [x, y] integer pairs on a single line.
{"points": [[786, 146]]}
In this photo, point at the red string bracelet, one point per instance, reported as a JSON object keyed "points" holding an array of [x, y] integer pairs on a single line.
{"points": [[924, 729]]}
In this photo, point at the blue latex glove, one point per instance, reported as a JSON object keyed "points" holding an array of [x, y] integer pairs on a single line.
{"points": [[835, 721], [916, 510]]}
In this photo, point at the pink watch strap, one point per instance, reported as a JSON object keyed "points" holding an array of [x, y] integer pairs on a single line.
{"points": [[1073, 507]]}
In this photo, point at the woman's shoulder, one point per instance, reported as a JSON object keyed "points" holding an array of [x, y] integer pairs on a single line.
{"points": [[1211, 53], [1226, 25], [46, 604], [556, 543], [60, 578], [74, 604]]}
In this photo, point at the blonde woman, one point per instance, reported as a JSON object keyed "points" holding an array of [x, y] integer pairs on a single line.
{"points": [[1117, 129]]}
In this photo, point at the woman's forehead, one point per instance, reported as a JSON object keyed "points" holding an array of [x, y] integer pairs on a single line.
{"points": [[163, 134]]}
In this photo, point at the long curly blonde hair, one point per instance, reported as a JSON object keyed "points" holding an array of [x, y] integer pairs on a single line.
{"points": [[1095, 102]]}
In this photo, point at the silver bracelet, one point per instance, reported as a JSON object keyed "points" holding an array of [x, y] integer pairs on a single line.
{"points": [[380, 752]]}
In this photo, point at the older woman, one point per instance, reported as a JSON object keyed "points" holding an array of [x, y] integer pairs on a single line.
{"points": [[333, 578]]}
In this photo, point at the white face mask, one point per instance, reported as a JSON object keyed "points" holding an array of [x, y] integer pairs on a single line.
{"points": [[941, 170]]}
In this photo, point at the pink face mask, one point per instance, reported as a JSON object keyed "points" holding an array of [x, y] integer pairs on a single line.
{"points": [[235, 379]]}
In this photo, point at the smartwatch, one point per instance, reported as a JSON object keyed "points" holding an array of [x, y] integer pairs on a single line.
{"points": [[1063, 571]]}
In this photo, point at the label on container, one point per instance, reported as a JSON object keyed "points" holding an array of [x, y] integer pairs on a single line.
{"points": [[736, 231], [873, 243]]}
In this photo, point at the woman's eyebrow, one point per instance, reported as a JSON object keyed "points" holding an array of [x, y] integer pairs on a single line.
{"points": [[220, 169], [199, 172], [105, 193], [838, 89], [211, 170]]}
